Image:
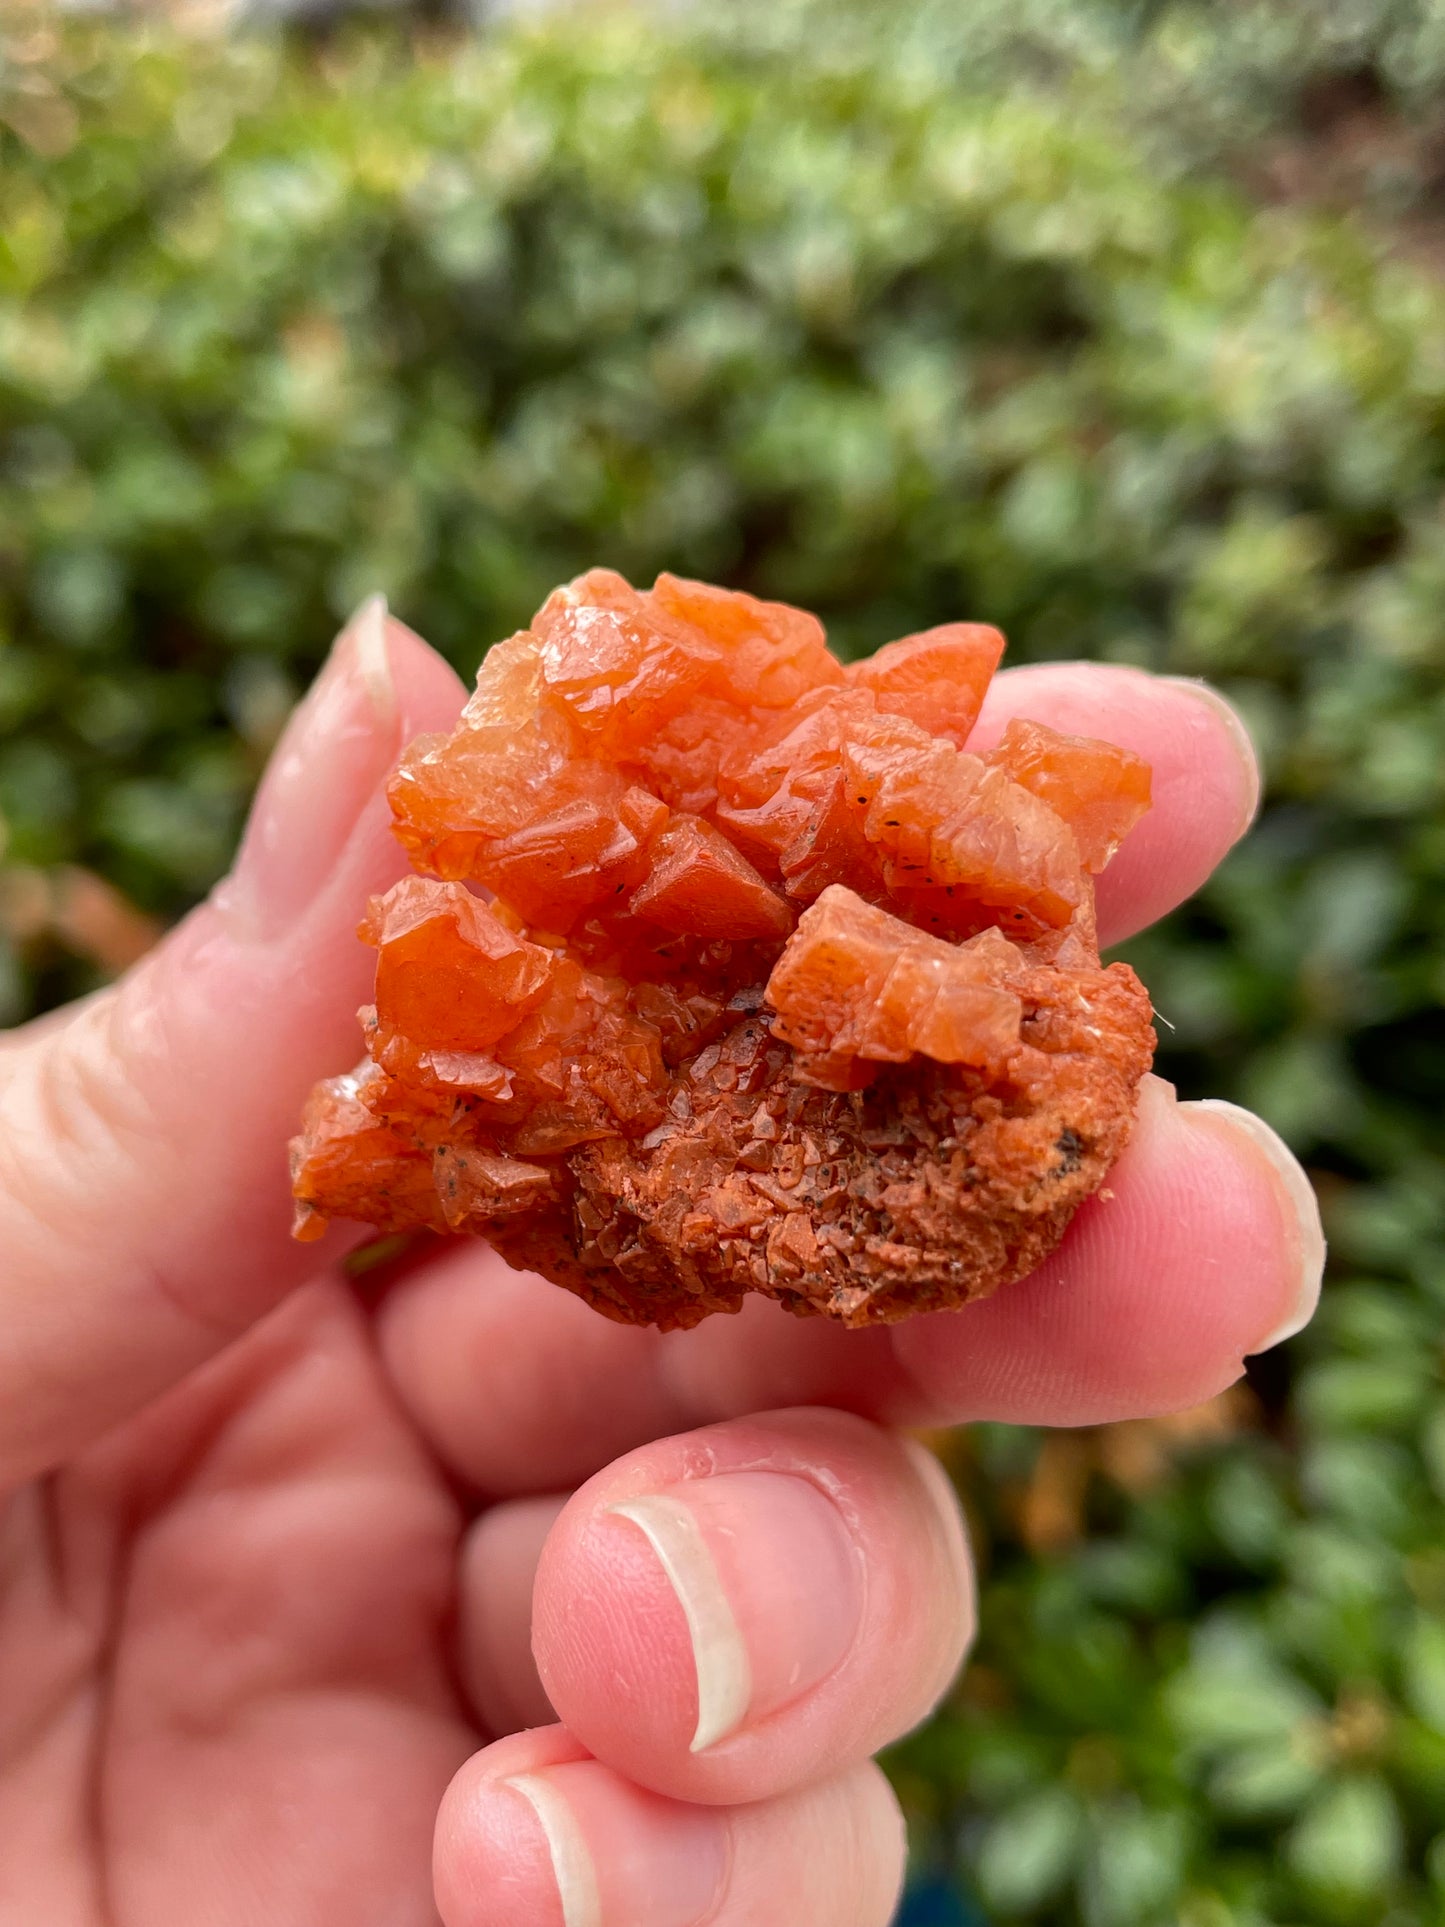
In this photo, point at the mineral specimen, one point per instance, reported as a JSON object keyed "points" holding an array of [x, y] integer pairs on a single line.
{"points": [[732, 969]]}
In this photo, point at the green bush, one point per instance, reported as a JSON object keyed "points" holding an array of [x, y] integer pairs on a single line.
{"points": [[901, 324]]}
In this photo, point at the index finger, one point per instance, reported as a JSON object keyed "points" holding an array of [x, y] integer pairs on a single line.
{"points": [[1204, 1247]]}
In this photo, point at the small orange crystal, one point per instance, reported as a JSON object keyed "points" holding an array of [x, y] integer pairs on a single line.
{"points": [[730, 969]]}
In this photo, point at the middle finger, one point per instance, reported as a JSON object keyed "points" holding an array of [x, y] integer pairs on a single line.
{"points": [[1205, 1246]]}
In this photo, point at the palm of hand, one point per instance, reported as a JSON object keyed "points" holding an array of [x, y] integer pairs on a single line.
{"points": [[226, 1688]]}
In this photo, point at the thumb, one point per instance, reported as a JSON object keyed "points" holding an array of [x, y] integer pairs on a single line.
{"points": [[144, 1209]]}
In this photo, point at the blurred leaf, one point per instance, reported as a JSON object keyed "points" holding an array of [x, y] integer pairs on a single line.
{"points": [[1029, 1851], [1350, 1840], [1423, 1665], [1234, 1691], [1266, 1782], [1134, 1868]]}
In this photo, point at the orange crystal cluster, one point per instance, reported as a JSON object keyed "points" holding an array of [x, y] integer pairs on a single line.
{"points": [[731, 968]]}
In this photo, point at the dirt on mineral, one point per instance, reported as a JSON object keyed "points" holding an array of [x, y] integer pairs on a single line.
{"points": [[729, 968]]}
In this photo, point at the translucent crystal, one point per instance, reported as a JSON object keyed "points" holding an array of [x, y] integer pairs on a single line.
{"points": [[729, 969]]}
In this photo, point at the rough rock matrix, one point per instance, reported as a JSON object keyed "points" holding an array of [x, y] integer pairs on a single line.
{"points": [[732, 969]]}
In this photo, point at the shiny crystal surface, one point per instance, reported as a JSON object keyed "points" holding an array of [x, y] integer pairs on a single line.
{"points": [[729, 968]]}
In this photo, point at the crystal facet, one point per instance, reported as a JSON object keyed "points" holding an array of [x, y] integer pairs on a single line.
{"points": [[728, 968]]}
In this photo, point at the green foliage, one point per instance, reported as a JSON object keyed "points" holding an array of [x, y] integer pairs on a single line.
{"points": [[902, 323]]}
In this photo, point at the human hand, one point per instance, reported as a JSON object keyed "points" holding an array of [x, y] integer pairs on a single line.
{"points": [[273, 1569]]}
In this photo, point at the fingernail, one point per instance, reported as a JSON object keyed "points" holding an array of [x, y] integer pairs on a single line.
{"points": [[1207, 695], [664, 1864], [571, 1860], [366, 632], [1301, 1206], [333, 753], [770, 1582]]}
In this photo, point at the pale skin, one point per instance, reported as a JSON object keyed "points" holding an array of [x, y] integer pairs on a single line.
{"points": [[468, 1605]]}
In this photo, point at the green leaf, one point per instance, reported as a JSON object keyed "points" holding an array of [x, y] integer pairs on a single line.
{"points": [[1235, 1692], [1029, 1851], [1384, 1391], [1134, 1867], [1432, 1447], [1363, 1481], [1350, 1840], [1423, 1670], [1266, 1782]]}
